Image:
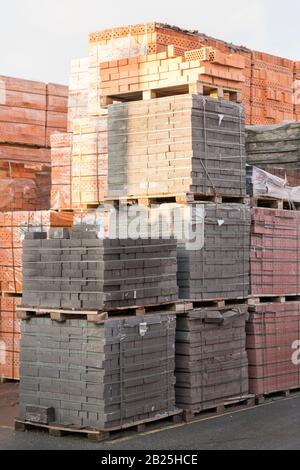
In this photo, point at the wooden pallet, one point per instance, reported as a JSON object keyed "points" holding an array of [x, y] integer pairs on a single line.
{"points": [[282, 299], [82, 207], [272, 203], [207, 410], [181, 198], [195, 88], [161, 421], [10, 294], [276, 395], [188, 305], [5, 380], [97, 316]]}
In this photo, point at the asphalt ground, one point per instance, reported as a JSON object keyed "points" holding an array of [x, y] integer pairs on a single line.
{"points": [[272, 426]]}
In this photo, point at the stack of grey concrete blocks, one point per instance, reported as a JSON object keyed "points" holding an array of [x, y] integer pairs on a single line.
{"points": [[213, 243], [213, 251], [219, 269], [99, 376], [83, 272], [211, 357], [274, 146], [175, 145]]}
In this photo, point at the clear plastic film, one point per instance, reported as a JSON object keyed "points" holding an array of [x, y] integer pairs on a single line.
{"points": [[266, 184]]}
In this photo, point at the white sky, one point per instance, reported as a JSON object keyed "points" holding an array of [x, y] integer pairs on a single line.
{"points": [[38, 38]]}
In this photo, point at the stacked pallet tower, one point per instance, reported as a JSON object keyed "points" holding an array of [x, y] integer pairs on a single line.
{"points": [[29, 112], [273, 326], [145, 126], [182, 149]]}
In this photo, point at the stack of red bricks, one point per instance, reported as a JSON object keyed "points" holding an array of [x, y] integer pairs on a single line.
{"points": [[273, 344], [13, 227], [275, 252], [272, 89], [273, 326], [266, 81], [297, 91], [30, 112]]}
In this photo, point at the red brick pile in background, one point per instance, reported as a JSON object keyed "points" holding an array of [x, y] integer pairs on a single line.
{"points": [[273, 333], [30, 112], [267, 81]]}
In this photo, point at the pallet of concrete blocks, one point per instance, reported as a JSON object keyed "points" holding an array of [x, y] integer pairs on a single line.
{"points": [[274, 252], [273, 347], [218, 268], [274, 146], [82, 272], [211, 358], [104, 377], [212, 242], [176, 145]]}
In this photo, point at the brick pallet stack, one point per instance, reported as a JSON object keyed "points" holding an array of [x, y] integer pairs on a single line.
{"points": [[110, 375], [81, 272], [211, 358], [274, 147], [186, 145], [79, 164], [272, 329], [147, 60], [159, 71], [273, 325], [167, 147], [272, 89], [29, 112], [266, 82], [273, 347], [180, 161], [104, 377], [183, 146]]}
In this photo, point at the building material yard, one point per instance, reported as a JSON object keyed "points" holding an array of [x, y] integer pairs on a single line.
{"points": [[150, 248]]}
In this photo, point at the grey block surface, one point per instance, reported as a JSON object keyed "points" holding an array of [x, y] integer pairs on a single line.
{"points": [[99, 376]]}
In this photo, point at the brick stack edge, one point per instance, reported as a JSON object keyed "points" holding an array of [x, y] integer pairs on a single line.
{"points": [[29, 112]]}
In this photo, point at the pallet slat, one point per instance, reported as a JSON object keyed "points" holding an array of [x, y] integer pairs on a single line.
{"points": [[162, 420]]}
